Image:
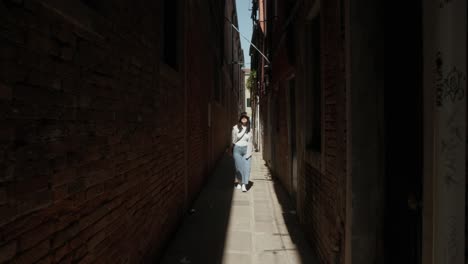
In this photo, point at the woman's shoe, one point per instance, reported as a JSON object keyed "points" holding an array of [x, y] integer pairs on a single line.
{"points": [[243, 188], [238, 186]]}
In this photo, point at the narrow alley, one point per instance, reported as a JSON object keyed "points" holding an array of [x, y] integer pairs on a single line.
{"points": [[124, 124], [230, 226]]}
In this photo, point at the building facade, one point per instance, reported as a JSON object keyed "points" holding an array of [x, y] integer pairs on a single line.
{"points": [[248, 99], [376, 166], [106, 135]]}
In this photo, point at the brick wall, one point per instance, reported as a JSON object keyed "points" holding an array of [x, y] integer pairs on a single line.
{"points": [[321, 196], [281, 140], [281, 74], [198, 97], [92, 133], [266, 150], [325, 185]]}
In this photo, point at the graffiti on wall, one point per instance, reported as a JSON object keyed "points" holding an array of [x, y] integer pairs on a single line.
{"points": [[439, 79], [448, 148], [451, 249], [449, 88], [454, 85]]}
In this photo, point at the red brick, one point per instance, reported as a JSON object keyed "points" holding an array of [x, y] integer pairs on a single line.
{"points": [[78, 241], [61, 252], [95, 191], [38, 42], [36, 235], [3, 196], [96, 239], [46, 260], [12, 33], [66, 213], [63, 33], [76, 186], [8, 251], [5, 92], [63, 176], [60, 192], [320, 188], [87, 259], [66, 260], [11, 72], [80, 253], [67, 53], [8, 51], [34, 201], [8, 213], [34, 254], [93, 217], [65, 235], [21, 225], [84, 119]]}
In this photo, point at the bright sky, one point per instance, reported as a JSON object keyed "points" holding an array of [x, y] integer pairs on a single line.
{"points": [[245, 27]]}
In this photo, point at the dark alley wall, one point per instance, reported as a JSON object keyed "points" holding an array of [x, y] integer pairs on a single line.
{"points": [[104, 137], [377, 167], [315, 34], [324, 168]]}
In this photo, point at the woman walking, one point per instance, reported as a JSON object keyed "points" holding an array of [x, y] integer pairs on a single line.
{"points": [[242, 150]]}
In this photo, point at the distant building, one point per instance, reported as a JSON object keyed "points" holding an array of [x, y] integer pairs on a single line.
{"points": [[248, 100]]}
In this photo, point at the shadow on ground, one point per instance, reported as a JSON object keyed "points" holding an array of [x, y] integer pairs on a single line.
{"points": [[207, 224], [294, 228], [202, 237]]}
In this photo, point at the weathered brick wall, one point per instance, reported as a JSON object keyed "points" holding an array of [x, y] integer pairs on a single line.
{"points": [[208, 139], [325, 185], [92, 138], [264, 116], [198, 97], [281, 73], [281, 140], [322, 175]]}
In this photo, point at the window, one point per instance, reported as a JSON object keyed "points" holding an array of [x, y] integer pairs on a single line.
{"points": [[169, 33], [248, 102], [314, 87]]}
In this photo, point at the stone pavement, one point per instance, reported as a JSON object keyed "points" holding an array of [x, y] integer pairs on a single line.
{"points": [[228, 226]]}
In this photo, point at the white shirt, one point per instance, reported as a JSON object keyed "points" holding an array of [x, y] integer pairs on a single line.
{"points": [[243, 139]]}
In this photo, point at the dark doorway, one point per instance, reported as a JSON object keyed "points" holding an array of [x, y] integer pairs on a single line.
{"points": [[403, 136]]}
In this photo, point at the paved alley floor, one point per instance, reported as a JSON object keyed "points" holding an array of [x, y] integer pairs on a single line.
{"points": [[228, 226]]}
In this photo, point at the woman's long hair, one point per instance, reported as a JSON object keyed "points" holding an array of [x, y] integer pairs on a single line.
{"points": [[239, 125]]}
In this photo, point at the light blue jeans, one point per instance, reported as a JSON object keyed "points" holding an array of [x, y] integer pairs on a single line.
{"points": [[242, 164]]}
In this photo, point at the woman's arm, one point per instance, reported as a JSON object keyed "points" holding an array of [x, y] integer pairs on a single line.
{"points": [[233, 141], [249, 148], [233, 136]]}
